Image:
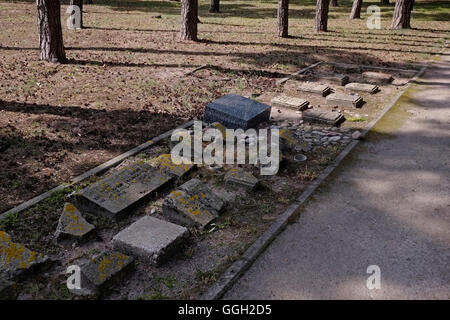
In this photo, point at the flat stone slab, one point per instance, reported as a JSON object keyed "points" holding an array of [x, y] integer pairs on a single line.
{"points": [[198, 190], [315, 88], [101, 272], [72, 225], [15, 259], [234, 111], [344, 100], [363, 87], [294, 103], [164, 164], [328, 117], [336, 78], [291, 143], [186, 210], [113, 195], [241, 177], [150, 239], [377, 77]]}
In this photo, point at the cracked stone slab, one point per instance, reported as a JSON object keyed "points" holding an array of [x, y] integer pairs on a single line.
{"points": [[164, 164], [197, 189], [186, 210], [328, 117], [291, 143], [16, 259], [112, 195], [100, 272], [316, 88], [72, 225], [363, 87], [150, 239], [241, 177], [345, 100], [283, 101], [377, 77], [336, 78]]}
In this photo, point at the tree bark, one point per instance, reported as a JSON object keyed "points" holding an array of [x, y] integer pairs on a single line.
{"points": [[78, 3], [402, 14], [215, 6], [356, 9], [283, 18], [189, 20], [333, 3], [92, 2], [321, 23], [50, 32], [384, 2]]}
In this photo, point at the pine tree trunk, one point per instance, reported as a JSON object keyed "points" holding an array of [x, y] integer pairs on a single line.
{"points": [[78, 3], [189, 20], [402, 14], [283, 18], [384, 2], [321, 23], [50, 32], [215, 6], [89, 2], [356, 9], [334, 3]]}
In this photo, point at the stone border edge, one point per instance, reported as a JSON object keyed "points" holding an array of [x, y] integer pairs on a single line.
{"points": [[235, 271]]}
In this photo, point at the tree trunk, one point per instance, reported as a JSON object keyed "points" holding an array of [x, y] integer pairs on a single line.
{"points": [[384, 2], [189, 20], [283, 18], [334, 3], [92, 2], [402, 14], [215, 6], [356, 9], [321, 23], [50, 32], [78, 3]]}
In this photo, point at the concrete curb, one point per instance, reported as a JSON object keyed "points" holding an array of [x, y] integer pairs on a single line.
{"points": [[94, 171], [233, 273]]}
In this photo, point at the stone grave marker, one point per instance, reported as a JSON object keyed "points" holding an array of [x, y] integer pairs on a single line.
{"points": [[197, 189], [150, 239], [112, 195], [328, 117], [234, 111], [165, 165], [72, 225], [241, 177], [377, 77], [336, 78], [100, 272], [316, 88], [345, 100], [363, 87], [294, 103]]}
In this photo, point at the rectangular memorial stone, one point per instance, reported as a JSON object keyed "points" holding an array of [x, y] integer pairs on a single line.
{"points": [[289, 102], [344, 100], [113, 195], [377, 77], [316, 88], [164, 164], [363, 87], [328, 117], [336, 78], [241, 177], [150, 239], [197, 189], [234, 111]]}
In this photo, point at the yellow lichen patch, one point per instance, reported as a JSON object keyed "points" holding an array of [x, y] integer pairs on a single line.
{"points": [[70, 208], [103, 266], [14, 254]]}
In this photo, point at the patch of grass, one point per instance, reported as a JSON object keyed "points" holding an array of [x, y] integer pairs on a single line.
{"points": [[206, 277], [356, 119]]}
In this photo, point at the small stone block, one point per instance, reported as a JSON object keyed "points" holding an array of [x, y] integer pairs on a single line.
{"points": [[113, 195], [164, 164], [328, 117], [377, 77], [197, 189], [15, 259], [100, 272], [241, 177], [72, 225], [234, 111], [344, 100], [150, 239], [186, 210], [283, 101], [336, 78], [315, 88], [363, 87]]}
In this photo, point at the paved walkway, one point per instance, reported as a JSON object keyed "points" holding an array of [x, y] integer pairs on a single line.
{"points": [[388, 205]]}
